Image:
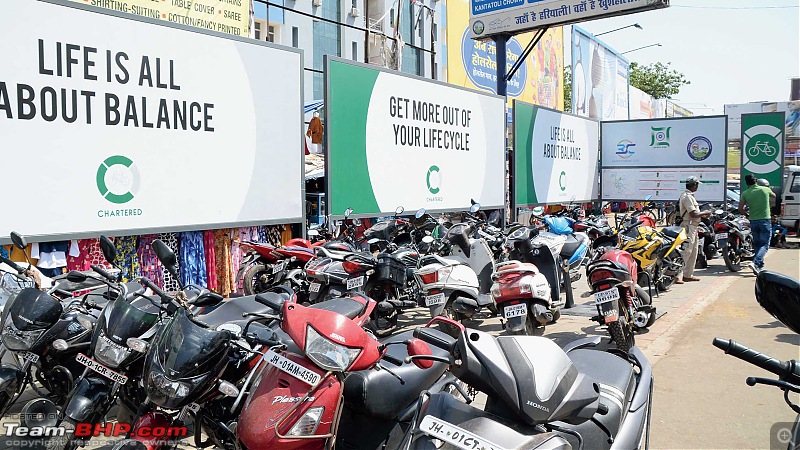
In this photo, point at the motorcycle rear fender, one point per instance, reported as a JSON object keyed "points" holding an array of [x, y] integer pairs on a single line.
{"points": [[90, 400], [505, 434], [517, 324], [10, 379], [632, 430]]}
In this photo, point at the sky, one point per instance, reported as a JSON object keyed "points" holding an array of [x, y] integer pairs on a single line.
{"points": [[729, 55]]}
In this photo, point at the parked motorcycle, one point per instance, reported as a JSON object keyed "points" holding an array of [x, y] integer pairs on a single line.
{"points": [[780, 296], [734, 239], [265, 265], [657, 253], [581, 398], [329, 388], [622, 305]]}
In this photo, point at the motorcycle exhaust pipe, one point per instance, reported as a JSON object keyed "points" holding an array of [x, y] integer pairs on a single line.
{"points": [[542, 313], [39, 412]]}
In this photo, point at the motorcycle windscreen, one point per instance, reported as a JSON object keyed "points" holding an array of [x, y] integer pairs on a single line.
{"points": [[457, 235], [32, 309], [381, 230], [127, 320], [186, 349]]}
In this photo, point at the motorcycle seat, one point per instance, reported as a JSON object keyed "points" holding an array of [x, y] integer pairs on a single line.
{"points": [[232, 310], [672, 231], [378, 394], [345, 306], [571, 245], [436, 259], [617, 382]]}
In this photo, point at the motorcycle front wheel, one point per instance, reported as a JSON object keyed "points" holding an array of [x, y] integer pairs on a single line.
{"points": [[732, 257], [254, 279]]}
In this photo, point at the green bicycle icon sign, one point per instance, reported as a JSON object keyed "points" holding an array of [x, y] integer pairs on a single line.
{"points": [[761, 147]]}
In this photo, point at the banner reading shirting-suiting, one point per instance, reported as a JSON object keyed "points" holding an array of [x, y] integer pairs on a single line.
{"points": [[396, 140], [224, 16], [555, 156]]}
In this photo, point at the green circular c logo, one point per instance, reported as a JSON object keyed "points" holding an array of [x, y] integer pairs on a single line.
{"points": [[117, 179], [435, 184], [562, 183]]}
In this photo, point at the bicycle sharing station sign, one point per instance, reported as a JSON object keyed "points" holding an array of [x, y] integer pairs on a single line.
{"points": [[763, 146]]}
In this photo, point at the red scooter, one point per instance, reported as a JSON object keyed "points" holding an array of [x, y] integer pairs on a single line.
{"points": [[265, 265], [329, 388]]}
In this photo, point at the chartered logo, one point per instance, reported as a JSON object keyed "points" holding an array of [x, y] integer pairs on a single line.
{"points": [[562, 181], [659, 137], [434, 180], [699, 148], [478, 27], [625, 149], [118, 179]]}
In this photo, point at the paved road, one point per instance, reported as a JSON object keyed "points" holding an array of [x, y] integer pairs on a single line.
{"points": [[700, 398]]}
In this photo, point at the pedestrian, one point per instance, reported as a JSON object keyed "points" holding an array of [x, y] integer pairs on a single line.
{"points": [[690, 215], [756, 198], [778, 234]]}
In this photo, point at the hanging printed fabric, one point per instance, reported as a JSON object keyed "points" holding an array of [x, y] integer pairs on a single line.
{"points": [[193, 259], [171, 239], [149, 264], [127, 259], [211, 261], [224, 268]]}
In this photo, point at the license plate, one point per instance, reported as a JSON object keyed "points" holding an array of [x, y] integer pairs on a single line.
{"points": [[314, 287], [101, 369], [721, 236], [515, 310], [610, 313], [456, 436], [608, 295], [28, 356], [435, 299], [353, 283], [278, 268], [292, 368]]}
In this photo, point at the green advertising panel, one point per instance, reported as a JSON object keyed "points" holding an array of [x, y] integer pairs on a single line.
{"points": [[398, 140], [555, 156], [762, 147]]}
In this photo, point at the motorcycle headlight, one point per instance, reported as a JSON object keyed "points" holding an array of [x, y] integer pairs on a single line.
{"points": [[172, 389], [17, 340], [327, 354], [110, 353]]}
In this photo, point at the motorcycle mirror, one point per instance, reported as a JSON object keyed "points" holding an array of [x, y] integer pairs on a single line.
{"points": [[76, 277], [399, 210], [417, 347], [357, 222], [475, 207], [538, 211], [166, 256], [779, 295], [420, 213], [19, 240], [347, 212], [109, 252], [312, 233], [427, 239], [494, 218], [373, 241]]}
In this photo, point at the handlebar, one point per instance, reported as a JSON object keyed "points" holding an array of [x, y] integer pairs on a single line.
{"points": [[165, 298], [12, 264], [103, 273], [392, 359], [436, 338], [787, 370]]}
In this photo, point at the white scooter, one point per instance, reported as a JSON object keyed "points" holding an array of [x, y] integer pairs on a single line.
{"points": [[459, 284]]}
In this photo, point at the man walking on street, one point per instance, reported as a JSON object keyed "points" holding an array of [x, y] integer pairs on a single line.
{"points": [[690, 215], [756, 198]]}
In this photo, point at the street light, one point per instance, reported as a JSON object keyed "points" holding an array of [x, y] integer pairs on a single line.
{"points": [[622, 28], [640, 48]]}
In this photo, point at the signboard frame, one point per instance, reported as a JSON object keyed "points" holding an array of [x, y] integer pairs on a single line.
{"points": [[328, 59], [782, 149], [515, 161], [642, 198], [117, 231]]}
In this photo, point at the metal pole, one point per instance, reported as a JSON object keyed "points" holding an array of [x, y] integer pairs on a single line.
{"points": [[500, 44], [433, 40]]}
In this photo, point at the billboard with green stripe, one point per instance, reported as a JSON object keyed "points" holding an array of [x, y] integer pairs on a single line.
{"points": [[399, 140], [555, 156]]}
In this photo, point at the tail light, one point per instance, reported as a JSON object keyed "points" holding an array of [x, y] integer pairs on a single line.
{"points": [[351, 266], [599, 275], [434, 277]]}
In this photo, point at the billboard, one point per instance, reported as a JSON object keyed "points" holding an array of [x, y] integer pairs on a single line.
{"points": [[599, 79], [399, 140], [763, 143], [490, 17], [655, 156], [791, 123], [140, 134], [555, 156], [224, 16], [473, 64]]}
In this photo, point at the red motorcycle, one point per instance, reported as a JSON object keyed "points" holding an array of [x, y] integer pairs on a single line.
{"points": [[329, 388], [621, 303], [265, 265]]}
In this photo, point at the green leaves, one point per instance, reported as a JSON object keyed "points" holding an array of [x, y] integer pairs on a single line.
{"points": [[657, 79]]}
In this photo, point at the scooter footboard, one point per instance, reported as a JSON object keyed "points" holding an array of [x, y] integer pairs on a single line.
{"points": [[462, 426]]}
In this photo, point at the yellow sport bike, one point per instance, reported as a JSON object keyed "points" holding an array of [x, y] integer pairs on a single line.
{"points": [[657, 253]]}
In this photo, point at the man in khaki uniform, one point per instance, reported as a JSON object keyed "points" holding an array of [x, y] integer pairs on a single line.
{"points": [[690, 214]]}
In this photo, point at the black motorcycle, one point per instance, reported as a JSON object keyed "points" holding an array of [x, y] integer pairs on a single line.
{"points": [[733, 238]]}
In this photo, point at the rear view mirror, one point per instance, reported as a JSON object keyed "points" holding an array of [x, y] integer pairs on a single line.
{"points": [[356, 222], [420, 213], [719, 212], [19, 240], [494, 218], [475, 207], [167, 257], [109, 252], [76, 277], [399, 210], [347, 212], [417, 347], [779, 295]]}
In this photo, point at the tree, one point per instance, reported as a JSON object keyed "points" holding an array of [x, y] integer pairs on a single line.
{"points": [[657, 79], [567, 88]]}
